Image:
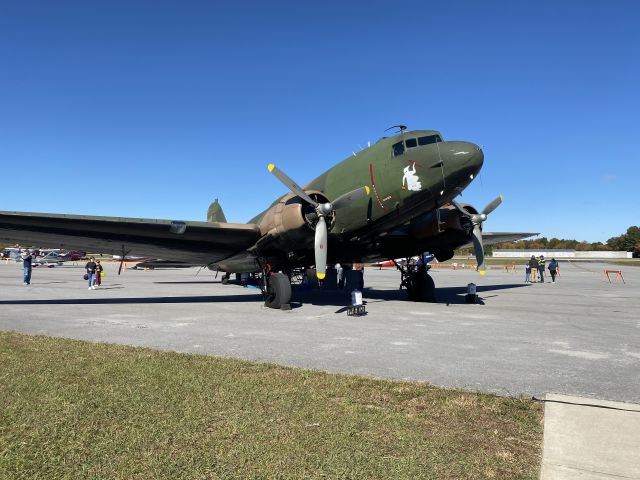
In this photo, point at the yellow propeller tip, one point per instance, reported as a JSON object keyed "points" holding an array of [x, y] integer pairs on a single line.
{"points": [[321, 275], [271, 167], [482, 272], [367, 189]]}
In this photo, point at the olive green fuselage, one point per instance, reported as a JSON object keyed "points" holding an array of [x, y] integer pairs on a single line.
{"points": [[410, 175]]}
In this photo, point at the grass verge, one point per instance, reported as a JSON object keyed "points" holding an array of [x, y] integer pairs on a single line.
{"points": [[72, 409]]}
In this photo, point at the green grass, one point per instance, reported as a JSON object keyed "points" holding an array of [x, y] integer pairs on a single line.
{"points": [[74, 410]]}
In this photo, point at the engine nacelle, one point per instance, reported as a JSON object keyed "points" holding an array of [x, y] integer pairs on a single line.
{"points": [[290, 222], [445, 218]]}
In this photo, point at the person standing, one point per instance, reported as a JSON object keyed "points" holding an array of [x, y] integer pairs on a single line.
{"points": [[541, 263], [27, 264], [99, 270], [91, 273], [533, 263], [553, 268], [527, 273], [359, 267]]}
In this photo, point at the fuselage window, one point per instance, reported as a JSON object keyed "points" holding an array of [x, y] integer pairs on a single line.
{"points": [[411, 142], [429, 139], [398, 149]]}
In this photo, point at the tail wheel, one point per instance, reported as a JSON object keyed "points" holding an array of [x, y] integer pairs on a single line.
{"points": [[278, 291]]}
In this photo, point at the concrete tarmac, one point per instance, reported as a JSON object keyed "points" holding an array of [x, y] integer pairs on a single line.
{"points": [[579, 336], [590, 439]]}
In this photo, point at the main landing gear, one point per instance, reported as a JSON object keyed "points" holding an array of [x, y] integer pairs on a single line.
{"points": [[277, 291], [418, 283]]}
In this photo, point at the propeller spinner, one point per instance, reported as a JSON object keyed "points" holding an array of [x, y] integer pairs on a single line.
{"points": [[322, 210], [476, 220]]}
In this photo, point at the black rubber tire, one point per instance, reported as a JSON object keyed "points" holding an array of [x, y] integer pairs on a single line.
{"points": [[424, 289], [225, 279], [278, 291]]}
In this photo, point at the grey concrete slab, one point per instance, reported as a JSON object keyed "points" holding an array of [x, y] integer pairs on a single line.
{"points": [[579, 336], [590, 440]]}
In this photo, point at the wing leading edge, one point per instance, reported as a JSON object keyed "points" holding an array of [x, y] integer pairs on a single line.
{"points": [[198, 243]]}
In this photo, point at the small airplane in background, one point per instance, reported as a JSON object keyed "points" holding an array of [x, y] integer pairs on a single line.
{"points": [[425, 258], [394, 199], [51, 257]]}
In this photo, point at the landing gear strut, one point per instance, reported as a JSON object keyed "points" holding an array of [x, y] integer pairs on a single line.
{"points": [[418, 283]]}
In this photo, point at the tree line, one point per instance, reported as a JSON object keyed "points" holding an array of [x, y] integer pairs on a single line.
{"points": [[628, 242]]}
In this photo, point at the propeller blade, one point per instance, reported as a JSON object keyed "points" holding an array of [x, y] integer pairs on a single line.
{"points": [[120, 267], [479, 249], [462, 210], [493, 205], [350, 197], [321, 248], [291, 185]]}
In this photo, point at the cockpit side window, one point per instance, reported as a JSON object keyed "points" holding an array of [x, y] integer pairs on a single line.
{"points": [[429, 139], [411, 142], [398, 149]]}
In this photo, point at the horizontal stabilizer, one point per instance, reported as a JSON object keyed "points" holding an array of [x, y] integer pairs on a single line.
{"points": [[491, 238]]}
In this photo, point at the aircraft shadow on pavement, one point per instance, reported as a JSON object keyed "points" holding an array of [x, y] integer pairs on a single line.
{"points": [[449, 295], [133, 300], [301, 296], [188, 282]]}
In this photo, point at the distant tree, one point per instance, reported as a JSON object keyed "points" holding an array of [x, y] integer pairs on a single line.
{"points": [[628, 242]]}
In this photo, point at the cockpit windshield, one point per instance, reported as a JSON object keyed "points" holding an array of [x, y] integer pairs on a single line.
{"points": [[399, 148], [428, 139]]}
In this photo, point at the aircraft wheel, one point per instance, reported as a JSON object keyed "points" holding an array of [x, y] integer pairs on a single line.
{"points": [[278, 291], [423, 289], [225, 278]]}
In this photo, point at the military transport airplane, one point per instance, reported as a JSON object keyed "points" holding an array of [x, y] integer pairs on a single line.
{"points": [[393, 199]]}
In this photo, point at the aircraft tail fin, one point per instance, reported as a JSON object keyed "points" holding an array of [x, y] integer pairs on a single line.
{"points": [[215, 213]]}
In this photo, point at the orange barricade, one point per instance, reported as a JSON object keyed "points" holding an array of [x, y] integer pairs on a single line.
{"points": [[618, 273]]}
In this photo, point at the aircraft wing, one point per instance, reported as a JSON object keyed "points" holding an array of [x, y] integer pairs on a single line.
{"points": [[198, 243], [491, 238]]}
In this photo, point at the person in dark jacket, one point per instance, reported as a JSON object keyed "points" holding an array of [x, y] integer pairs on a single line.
{"points": [[91, 273], [533, 263], [541, 263], [553, 269], [99, 270], [27, 263]]}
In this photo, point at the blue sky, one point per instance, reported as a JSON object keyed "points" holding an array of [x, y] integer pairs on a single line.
{"points": [[153, 108]]}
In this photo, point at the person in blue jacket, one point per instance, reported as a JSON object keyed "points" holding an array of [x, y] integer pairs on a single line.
{"points": [[27, 263], [553, 269]]}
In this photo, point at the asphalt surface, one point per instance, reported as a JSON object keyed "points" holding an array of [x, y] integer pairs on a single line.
{"points": [[579, 336]]}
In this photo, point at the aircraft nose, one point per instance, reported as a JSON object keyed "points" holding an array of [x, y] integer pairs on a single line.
{"points": [[465, 158]]}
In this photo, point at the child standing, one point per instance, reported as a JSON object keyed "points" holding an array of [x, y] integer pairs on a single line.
{"points": [[98, 273]]}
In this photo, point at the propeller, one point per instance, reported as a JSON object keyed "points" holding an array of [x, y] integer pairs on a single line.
{"points": [[322, 211], [124, 255], [476, 236]]}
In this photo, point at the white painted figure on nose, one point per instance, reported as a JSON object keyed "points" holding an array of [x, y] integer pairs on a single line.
{"points": [[410, 179]]}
